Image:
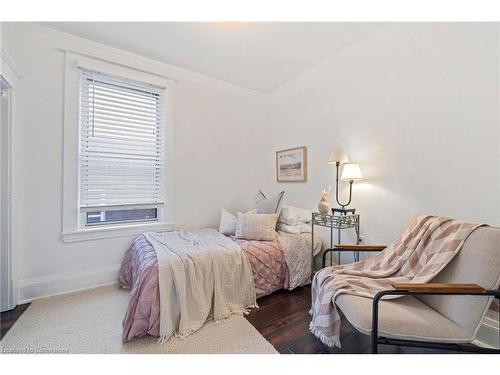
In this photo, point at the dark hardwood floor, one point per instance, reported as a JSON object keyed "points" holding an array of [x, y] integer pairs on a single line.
{"points": [[8, 318], [283, 319]]}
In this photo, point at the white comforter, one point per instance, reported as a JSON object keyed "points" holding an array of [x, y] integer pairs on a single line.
{"points": [[193, 267]]}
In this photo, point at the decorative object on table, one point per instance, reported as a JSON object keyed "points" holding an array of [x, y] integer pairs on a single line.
{"points": [[350, 172], [291, 165], [324, 205]]}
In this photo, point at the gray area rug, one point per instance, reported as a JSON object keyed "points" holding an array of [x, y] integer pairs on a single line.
{"points": [[91, 322]]}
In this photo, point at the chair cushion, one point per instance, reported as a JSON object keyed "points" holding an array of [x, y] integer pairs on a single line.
{"points": [[404, 318], [478, 262]]}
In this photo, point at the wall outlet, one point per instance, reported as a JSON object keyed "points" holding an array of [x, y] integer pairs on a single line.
{"points": [[361, 238]]}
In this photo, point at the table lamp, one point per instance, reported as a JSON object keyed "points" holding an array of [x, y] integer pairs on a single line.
{"points": [[350, 172]]}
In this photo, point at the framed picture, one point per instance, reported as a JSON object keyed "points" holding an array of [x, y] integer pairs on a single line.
{"points": [[291, 165]]}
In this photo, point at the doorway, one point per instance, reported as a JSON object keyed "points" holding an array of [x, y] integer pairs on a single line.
{"points": [[6, 287]]}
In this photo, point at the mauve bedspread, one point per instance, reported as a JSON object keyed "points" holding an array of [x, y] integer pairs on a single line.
{"points": [[139, 271]]}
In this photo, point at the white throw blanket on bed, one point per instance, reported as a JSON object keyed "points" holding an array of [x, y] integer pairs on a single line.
{"points": [[202, 275]]}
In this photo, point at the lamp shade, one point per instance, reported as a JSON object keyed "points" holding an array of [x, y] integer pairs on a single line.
{"points": [[338, 156], [351, 172]]}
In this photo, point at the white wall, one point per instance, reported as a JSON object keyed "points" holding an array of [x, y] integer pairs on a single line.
{"points": [[215, 125], [417, 106]]}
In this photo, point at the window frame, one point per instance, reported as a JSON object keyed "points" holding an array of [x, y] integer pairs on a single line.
{"points": [[74, 227]]}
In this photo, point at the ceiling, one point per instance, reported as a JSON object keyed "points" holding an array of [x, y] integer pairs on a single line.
{"points": [[258, 55]]}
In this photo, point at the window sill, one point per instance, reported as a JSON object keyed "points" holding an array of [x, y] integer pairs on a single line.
{"points": [[122, 230]]}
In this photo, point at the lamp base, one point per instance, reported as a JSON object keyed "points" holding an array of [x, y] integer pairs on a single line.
{"points": [[343, 211]]}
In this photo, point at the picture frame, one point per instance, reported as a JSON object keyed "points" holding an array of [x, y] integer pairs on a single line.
{"points": [[291, 165]]}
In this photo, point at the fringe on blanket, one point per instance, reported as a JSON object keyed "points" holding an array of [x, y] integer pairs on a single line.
{"points": [[232, 311], [243, 311], [163, 339], [329, 341]]}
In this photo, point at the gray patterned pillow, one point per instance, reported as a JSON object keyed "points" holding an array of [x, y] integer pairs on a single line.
{"points": [[265, 205], [259, 227]]}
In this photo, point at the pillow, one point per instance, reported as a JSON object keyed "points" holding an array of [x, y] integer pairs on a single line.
{"points": [[295, 229], [294, 215], [260, 227], [265, 205], [228, 221]]}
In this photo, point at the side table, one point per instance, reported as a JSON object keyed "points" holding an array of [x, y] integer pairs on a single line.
{"points": [[338, 223]]}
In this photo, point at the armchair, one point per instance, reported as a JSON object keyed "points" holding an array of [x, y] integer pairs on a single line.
{"points": [[444, 314]]}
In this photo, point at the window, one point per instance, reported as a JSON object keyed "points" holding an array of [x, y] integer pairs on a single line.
{"points": [[121, 149], [118, 142], [117, 216]]}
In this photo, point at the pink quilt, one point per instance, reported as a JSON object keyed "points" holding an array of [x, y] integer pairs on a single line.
{"points": [[139, 272]]}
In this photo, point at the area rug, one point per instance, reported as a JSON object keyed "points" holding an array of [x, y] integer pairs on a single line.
{"points": [[91, 322]]}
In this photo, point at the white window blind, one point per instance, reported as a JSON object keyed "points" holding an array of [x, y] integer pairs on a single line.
{"points": [[121, 158]]}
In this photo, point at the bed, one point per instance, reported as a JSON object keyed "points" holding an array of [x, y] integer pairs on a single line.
{"points": [[270, 262]]}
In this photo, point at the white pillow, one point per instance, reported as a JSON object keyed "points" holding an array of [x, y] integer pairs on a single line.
{"points": [[259, 227], [294, 215], [295, 229], [228, 222], [265, 205]]}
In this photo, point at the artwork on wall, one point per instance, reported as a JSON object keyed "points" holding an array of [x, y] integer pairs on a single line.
{"points": [[291, 165]]}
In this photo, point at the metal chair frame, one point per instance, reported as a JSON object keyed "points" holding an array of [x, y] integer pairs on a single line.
{"points": [[376, 340]]}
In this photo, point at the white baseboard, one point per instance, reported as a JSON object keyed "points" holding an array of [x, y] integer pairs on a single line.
{"points": [[488, 334], [39, 287]]}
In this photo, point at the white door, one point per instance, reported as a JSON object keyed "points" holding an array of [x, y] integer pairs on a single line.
{"points": [[6, 300]]}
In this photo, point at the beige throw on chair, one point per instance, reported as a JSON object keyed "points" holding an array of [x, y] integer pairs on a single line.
{"points": [[427, 245], [202, 275]]}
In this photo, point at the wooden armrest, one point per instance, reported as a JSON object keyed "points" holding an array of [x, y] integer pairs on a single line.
{"points": [[435, 287], [360, 247]]}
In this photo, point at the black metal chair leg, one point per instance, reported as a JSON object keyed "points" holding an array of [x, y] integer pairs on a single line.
{"points": [[375, 324], [325, 253]]}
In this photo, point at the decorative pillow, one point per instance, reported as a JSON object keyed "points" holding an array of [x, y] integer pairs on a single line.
{"points": [[295, 229], [228, 221], [260, 227], [265, 205], [292, 215]]}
